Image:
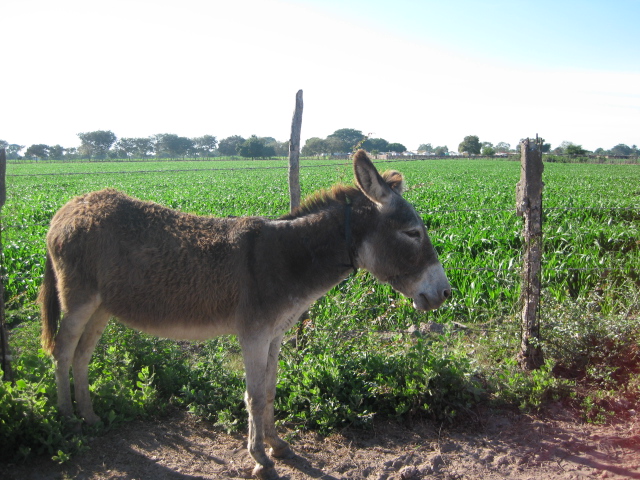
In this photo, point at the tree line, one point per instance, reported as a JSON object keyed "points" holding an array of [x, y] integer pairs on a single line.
{"points": [[472, 145], [346, 140], [104, 144]]}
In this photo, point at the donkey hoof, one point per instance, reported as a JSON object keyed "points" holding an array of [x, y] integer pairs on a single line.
{"points": [[91, 418], [283, 452], [265, 473], [74, 424]]}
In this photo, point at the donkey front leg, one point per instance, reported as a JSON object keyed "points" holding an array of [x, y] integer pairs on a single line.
{"points": [[279, 448], [255, 352]]}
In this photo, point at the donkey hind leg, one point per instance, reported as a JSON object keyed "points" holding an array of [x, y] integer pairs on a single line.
{"points": [[279, 448], [255, 352], [87, 344], [71, 328]]}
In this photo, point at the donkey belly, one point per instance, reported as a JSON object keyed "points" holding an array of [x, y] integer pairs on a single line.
{"points": [[179, 311], [179, 328]]}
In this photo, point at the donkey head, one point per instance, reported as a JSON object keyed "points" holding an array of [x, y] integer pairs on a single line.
{"points": [[395, 247]]}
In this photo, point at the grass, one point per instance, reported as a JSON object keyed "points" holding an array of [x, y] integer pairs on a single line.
{"points": [[352, 358]]}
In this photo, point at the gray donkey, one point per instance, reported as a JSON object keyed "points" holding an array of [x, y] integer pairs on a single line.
{"points": [[191, 277]]}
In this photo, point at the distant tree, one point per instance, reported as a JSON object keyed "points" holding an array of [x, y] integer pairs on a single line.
{"points": [[156, 145], [574, 150], [441, 151], [124, 148], [267, 140], [349, 138], [375, 144], [502, 147], [561, 149], [335, 145], [39, 150], [13, 151], [269, 151], [600, 151], [255, 147], [280, 149], [173, 146], [96, 144], [621, 149], [143, 147], [425, 148], [314, 147], [205, 146], [56, 152], [229, 146], [397, 148], [488, 150], [471, 145]]}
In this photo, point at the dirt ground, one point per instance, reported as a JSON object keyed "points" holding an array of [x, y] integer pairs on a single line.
{"points": [[494, 445]]}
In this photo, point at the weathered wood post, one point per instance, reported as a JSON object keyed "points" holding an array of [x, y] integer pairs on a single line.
{"points": [[529, 206], [294, 154], [294, 190], [5, 358]]}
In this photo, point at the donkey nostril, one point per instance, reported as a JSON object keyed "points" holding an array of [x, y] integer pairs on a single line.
{"points": [[446, 293]]}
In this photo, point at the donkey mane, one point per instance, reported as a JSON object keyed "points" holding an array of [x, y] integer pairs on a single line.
{"points": [[321, 199], [340, 194]]}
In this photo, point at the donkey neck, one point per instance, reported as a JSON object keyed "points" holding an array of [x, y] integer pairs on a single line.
{"points": [[320, 244]]}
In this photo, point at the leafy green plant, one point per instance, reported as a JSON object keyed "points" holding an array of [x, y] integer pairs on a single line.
{"points": [[529, 390], [348, 382], [29, 423]]}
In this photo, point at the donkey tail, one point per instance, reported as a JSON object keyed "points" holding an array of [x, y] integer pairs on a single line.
{"points": [[49, 306]]}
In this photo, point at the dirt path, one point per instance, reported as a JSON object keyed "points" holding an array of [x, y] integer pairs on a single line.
{"points": [[499, 445]]}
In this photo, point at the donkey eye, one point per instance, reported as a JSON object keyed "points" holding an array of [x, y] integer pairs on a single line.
{"points": [[412, 233]]}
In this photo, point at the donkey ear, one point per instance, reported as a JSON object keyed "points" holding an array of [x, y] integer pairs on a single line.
{"points": [[369, 180]]}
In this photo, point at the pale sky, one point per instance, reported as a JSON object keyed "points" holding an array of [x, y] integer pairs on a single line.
{"points": [[409, 71]]}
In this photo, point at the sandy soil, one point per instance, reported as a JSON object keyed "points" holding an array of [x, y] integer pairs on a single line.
{"points": [[494, 445]]}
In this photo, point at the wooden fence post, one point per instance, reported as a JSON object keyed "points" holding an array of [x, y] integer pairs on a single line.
{"points": [[294, 154], [5, 358], [529, 206]]}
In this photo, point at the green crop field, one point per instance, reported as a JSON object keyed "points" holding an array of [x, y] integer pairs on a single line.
{"points": [[590, 215], [352, 360]]}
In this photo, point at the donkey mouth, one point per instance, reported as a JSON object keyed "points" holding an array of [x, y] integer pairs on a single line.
{"points": [[421, 302], [426, 303]]}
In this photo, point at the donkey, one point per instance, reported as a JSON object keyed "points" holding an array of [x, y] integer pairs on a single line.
{"points": [[191, 277]]}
